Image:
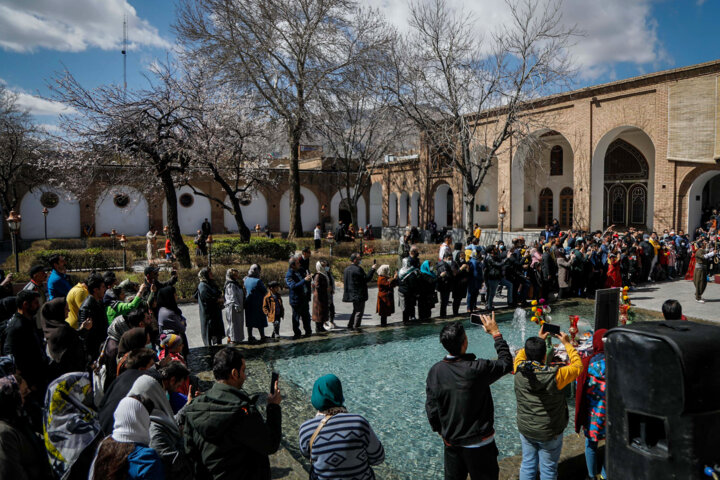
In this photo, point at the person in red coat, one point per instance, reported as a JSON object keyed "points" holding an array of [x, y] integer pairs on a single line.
{"points": [[385, 296], [614, 279]]}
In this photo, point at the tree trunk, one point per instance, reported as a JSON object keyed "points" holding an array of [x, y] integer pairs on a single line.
{"points": [[352, 205], [181, 251], [243, 229], [295, 230], [469, 200]]}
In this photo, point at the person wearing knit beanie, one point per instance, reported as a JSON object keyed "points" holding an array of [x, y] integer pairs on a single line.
{"points": [[132, 422], [170, 340]]}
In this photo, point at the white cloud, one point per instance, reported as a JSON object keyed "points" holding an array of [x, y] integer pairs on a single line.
{"points": [[72, 25], [40, 106], [615, 31]]}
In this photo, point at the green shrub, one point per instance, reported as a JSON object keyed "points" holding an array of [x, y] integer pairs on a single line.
{"points": [[257, 248], [89, 258]]}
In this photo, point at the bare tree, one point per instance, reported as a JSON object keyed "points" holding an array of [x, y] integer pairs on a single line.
{"points": [[19, 150], [467, 93], [287, 50], [228, 137], [141, 128], [356, 118]]}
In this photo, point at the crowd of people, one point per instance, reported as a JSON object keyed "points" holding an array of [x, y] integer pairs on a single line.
{"points": [[94, 376]]}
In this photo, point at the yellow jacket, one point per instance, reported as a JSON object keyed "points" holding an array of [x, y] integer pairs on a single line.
{"points": [[565, 375], [75, 298], [655, 245]]}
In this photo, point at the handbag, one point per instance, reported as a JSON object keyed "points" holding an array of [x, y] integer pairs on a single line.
{"points": [[312, 440]]}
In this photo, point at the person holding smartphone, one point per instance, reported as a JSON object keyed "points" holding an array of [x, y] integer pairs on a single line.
{"points": [[542, 411], [459, 403]]}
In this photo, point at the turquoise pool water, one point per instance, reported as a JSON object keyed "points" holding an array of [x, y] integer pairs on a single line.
{"points": [[383, 376]]}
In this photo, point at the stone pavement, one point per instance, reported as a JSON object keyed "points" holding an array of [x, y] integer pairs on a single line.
{"points": [[342, 315], [648, 297], [651, 297]]}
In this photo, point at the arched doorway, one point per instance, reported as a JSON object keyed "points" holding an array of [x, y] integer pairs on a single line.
{"points": [[415, 209], [444, 206], [122, 208], [376, 204], [543, 160], [392, 210], [626, 186], [309, 210], [63, 221], [545, 209], [566, 207], [344, 214]]}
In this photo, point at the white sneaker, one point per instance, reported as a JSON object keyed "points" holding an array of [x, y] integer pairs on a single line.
{"points": [[700, 301]]}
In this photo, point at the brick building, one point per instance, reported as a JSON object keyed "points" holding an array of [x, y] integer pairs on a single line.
{"points": [[638, 152]]}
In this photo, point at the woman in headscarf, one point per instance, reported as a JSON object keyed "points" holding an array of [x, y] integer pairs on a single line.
{"points": [[385, 297], [165, 435], [427, 297], [65, 346], [322, 296], [330, 456], [590, 404], [210, 298], [130, 340], [234, 304], [255, 291], [170, 317], [151, 246], [407, 290], [126, 455]]}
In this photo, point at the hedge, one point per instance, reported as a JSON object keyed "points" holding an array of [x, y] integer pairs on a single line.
{"points": [[88, 258]]}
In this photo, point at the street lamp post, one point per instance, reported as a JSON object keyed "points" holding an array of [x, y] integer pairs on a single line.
{"points": [[13, 222], [45, 212], [209, 242], [112, 235], [123, 244], [502, 213]]}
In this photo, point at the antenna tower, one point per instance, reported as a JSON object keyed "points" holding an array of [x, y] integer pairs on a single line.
{"points": [[124, 54]]}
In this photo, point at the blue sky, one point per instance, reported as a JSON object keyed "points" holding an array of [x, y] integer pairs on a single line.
{"points": [[622, 38]]}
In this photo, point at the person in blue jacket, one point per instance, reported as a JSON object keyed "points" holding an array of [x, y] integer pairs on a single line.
{"points": [[58, 283], [475, 282], [125, 454], [298, 300]]}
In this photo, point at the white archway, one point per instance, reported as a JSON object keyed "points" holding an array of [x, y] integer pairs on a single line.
{"points": [[392, 210], [403, 209], [441, 205], [309, 210], [546, 161], [254, 213], [694, 196], [122, 208], [335, 209], [376, 204], [415, 209], [193, 214], [63, 220], [639, 139]]}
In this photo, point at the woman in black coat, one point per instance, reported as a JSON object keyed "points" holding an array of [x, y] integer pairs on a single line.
{"points": [[210, 302]]}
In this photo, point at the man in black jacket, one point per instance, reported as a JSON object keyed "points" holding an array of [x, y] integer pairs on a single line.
{"points": [[93, 309], [25, 343], [355, 289], [459, 404], [225, 434]]}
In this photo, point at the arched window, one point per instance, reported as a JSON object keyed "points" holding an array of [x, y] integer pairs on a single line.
{"points": [[556, 160], [617, 204], [638, 199], [545, 213], [566, 207]]}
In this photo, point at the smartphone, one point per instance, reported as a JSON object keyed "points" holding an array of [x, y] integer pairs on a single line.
{"points": [[476, 319], [374, 262], [273, 381], [551, 329]]}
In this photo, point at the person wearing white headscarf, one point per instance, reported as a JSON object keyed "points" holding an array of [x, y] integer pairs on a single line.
{"points": [[385, 296], [165, 435], [322, 296], [125, 454], [234, 305]]}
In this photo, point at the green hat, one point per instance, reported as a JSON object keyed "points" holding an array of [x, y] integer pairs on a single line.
{"points": [[327, 393]]}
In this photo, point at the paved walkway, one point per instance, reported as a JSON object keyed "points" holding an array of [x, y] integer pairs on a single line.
{"points": [[650, 297]]}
